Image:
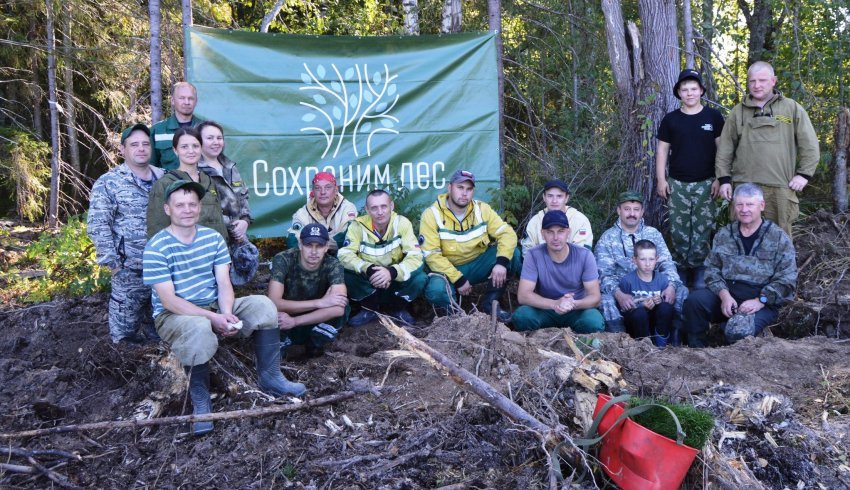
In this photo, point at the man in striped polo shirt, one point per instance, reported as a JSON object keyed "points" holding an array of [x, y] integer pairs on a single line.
{"points": [[188, 266]]}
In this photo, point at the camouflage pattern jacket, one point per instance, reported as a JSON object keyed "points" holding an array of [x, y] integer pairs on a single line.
{"points": [[232, 191], [615, 249], [770, 265], [117, 221]]}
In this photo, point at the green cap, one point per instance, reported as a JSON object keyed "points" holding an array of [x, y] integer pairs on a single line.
{"points": [[140, 127], [185, 184], [630, 196]]}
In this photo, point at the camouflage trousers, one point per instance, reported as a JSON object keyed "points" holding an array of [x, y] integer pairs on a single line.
{"points": [[614, 319], [130, 316], [692, 214]]}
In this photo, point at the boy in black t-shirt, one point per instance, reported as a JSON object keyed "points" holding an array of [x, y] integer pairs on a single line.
{"points": [[649, 314], [687, 138]]}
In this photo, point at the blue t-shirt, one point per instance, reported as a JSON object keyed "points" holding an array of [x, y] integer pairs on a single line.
{"points": [[634, 285], [557, 279], [190, 267]]}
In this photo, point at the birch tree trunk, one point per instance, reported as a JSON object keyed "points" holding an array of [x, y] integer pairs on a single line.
{"points": [[155, 16], [34, 89], [411, 17], [53, 206], [839, 160], [269, 17], [703, 47], [68, 82], [186, 7], [494, 17], [688, 33], [452, 16]]}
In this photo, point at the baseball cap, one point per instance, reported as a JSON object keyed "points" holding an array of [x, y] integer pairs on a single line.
{"points": [[629, 196], [555, 218], [314, 233], [141, 127], [560, 184], [461, 176], [183, 184], [688, 74], [326, 176]]}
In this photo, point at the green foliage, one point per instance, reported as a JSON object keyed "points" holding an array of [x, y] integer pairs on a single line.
{"points": [[697, 424], [24, 171], [68, 259], [516, 202]]}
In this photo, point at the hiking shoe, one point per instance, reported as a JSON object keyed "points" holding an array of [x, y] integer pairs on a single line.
{"points": [[403, 317], [362, 318]]}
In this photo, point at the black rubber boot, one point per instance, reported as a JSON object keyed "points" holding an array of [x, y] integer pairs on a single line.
{"points": [[199, 392], [685, 275], [270, 379], [487, 305], [699, 277]]}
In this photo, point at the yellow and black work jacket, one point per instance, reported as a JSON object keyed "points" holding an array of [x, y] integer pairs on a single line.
{"points": [[397, 249]]}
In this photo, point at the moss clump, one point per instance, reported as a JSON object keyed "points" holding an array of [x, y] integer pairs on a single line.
{"points": [[697, 424]]}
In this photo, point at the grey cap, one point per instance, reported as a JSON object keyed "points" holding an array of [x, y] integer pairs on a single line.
{"points": [[462, 176]]}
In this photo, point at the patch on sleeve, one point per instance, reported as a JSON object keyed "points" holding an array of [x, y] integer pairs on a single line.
{"points": [[346, 243], [296, 226], [421, 239], [352, 214]]}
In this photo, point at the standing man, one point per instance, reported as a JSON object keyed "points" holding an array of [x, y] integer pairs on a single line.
{"points": [[117, 226], [614, 252], [308, 288], [383, 261], [456, 234], [556, 195], [327, 207], [184, 97], [768, 140], [752, 271], [188, 266], [559, 285], [687, 138]]}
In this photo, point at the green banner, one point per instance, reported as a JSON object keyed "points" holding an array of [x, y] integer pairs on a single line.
{"points": [[377, 112]]}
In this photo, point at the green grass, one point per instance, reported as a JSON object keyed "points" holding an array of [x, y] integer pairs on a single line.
{"points": [[697, 424]]}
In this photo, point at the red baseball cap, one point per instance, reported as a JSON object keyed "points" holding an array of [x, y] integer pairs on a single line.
{"points": [[326, 176]]}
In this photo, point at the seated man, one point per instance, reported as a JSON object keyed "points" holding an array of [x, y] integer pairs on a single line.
{"points": [[649, 315], [382, 260], [308, 289], [327, 207], [193, 302], [614, 252], [456, 234], [556, 195], [559, 285], [750, 272]]}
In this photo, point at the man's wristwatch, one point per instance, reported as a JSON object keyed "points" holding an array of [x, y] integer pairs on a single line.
{"points": [[763, 299]]}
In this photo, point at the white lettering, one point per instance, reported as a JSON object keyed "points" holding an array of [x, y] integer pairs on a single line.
{"points": [[406, 171], [436, 172], [363, 178], [342, 180], [295, 184], [279, 190], [382, 177], [423, 174], [256, 185]]}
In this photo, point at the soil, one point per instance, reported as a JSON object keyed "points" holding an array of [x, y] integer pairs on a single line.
{"points": [[782, 404]]}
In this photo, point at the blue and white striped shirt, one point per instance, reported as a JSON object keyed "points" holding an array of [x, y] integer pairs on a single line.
{"points": [[191, 268]]}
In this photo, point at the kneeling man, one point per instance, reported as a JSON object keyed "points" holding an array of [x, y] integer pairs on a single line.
{"points": [[188, 266], [559, 284], [383, 261], [750, 272], [308, 288]]}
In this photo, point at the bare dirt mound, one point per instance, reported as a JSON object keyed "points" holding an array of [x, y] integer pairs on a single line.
{"points": [[417, 428]]}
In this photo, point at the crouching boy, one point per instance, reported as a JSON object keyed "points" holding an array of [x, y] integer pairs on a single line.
{"points": [[644, 311]]}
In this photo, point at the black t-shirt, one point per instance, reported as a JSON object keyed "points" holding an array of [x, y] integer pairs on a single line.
{"points": [[691, 138]]}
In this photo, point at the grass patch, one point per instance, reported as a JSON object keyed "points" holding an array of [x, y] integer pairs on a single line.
{"points": [[697, 424]]}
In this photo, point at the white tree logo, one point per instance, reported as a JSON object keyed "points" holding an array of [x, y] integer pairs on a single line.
{"points": [[356, 105]]}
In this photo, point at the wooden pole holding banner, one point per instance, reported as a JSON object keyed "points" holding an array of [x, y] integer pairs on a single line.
{"points": [[186, 8], [839, 160], [494, 15]]}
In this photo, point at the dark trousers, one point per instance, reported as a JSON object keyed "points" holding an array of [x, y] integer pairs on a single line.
{"points": [[641, 322], [703, 307]]}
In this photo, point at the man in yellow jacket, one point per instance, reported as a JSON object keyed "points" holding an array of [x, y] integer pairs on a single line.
{"points": [[456, 234], [382, 261]]}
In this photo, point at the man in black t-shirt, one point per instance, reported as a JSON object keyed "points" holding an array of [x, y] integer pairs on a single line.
{"points": [[687, 138]]}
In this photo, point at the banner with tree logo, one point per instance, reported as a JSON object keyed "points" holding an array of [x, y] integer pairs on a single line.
{"points": [[377, 112]]}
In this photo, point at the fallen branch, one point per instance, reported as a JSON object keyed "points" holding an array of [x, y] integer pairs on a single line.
{"points": [[180, 419], [25, 453], [16, 468], [56, 478]]}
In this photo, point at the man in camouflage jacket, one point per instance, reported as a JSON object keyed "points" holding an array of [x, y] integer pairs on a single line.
{"points": [[614, 252], [117, 227], [750, 272]]}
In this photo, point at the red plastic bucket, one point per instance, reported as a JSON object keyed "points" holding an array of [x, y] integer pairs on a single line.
{"points": [[637, 458]]}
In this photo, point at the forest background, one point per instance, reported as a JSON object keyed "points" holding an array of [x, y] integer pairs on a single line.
{"points": [[585, 82]]}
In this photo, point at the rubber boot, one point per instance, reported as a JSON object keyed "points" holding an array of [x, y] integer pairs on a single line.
{"points": [[199, 392], [487, 304], [685, 274], [397, 308], [699, 277], [270, 379], [369, 305]]}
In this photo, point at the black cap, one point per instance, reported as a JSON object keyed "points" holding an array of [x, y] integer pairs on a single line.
{"points": [[558, 183], [688, 74], [185, 184], [555, 218], [141, 127], [314, 233]]}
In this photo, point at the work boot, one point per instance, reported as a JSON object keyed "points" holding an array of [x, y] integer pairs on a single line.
{"points": [[398, 309], [363, 317], [270, 379], [199, 392], [487, 305], [699, 277]]}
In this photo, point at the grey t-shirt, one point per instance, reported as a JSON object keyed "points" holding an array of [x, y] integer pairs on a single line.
{"points": [[634, 285], [557, 279]]}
